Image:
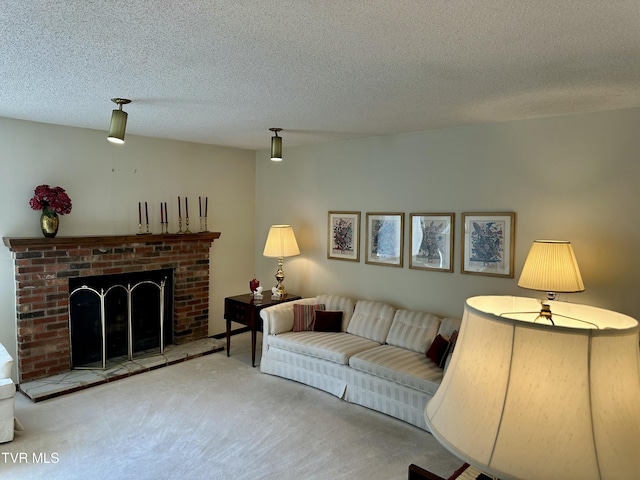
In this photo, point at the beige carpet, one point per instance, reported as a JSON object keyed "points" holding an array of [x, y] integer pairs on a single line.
{"points": [[212, 417]]}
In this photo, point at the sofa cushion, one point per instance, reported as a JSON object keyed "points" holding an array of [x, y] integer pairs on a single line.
{"points": [[413, 330], [411, 369], [327, 321], [332, 346], [304, 316], [371, 320], [337, 302]]}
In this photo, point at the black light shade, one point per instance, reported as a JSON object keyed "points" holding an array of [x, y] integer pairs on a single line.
{"points": [[276, 145], [118, 121]]}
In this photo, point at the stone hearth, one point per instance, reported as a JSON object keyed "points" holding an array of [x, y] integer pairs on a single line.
{"points": [[69, 382], [43, 267]]}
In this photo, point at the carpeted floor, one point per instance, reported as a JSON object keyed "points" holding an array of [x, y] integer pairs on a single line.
{"points": [[212, 417]]}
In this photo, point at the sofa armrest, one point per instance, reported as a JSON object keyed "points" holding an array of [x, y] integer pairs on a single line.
{"points": [[279, 318], [7, 388], [6, 363]]}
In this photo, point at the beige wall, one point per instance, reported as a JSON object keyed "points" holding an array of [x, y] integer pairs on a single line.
{"points": [[569, 177], [106, 182], [572, 177]]}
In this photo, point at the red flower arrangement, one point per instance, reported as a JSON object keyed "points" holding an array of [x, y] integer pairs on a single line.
{"points": [[50, 200]]}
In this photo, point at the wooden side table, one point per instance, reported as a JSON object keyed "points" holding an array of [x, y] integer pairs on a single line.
{"points": [[245, 310]]}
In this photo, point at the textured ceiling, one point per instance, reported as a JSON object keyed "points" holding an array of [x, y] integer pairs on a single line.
{"points": [[223, 72]]}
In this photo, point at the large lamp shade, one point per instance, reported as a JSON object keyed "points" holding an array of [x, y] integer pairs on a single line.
{"points": [[528, 400]]}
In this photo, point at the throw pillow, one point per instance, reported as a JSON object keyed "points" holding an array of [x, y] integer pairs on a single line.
{"points": [[304, 316], [449, 352], [327, 321], [438, 350], [452, 341]]}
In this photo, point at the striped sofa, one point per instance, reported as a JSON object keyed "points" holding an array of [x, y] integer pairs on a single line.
{"points": [[378, 360]]}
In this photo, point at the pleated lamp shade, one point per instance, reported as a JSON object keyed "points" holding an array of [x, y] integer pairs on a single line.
{"points": [[281, 242], [525, 400], [551, 266]]}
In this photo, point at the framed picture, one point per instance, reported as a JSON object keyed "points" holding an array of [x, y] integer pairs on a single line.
{"points": [[432, 241], [385, 238], [487, 243], [344, 236]]}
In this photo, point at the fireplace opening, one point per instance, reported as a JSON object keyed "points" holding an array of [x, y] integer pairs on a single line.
{"points": [[118, 317]]}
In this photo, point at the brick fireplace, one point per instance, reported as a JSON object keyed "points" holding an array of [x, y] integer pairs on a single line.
{"points": [[43, 267]]}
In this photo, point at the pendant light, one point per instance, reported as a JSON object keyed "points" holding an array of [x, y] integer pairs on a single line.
{"points": [[118, 121], [276, 145]]}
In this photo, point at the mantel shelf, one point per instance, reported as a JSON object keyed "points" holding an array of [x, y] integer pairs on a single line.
{"points": [[42, 242]]}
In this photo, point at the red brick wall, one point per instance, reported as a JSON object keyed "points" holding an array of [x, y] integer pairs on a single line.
{"points": [[43, 268]]}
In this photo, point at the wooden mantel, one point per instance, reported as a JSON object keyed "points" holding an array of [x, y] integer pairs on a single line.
{"points": [[42, 242]]}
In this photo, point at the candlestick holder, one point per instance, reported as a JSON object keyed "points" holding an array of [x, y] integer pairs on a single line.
{"points": [[148, 232], [139, 229], [203, 224], [186, 228], [180, 225]]}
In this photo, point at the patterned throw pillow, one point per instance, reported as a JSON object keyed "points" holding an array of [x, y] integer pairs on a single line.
{"points": [[304, 316], [327, 321]]}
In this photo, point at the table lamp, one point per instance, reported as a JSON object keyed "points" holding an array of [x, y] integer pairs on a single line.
{"points": [[281, 242], [529, 400], [551, 267]]}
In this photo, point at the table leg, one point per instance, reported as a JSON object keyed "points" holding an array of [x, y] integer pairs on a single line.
{"points": [[253, 345], [228, 336]]}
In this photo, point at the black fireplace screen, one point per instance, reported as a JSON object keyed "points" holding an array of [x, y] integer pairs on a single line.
{"points": [[119, 317]]}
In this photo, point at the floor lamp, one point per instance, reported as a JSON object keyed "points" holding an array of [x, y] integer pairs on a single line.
{"points": [[529, 399]]}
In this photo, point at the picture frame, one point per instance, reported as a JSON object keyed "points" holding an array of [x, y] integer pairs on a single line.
{"points": [[431, 241], [488, 241], [343, 236], [385, 239]]}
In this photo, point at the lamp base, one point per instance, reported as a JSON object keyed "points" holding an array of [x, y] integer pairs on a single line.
{"points": [[280, 290], [280, 278]]}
